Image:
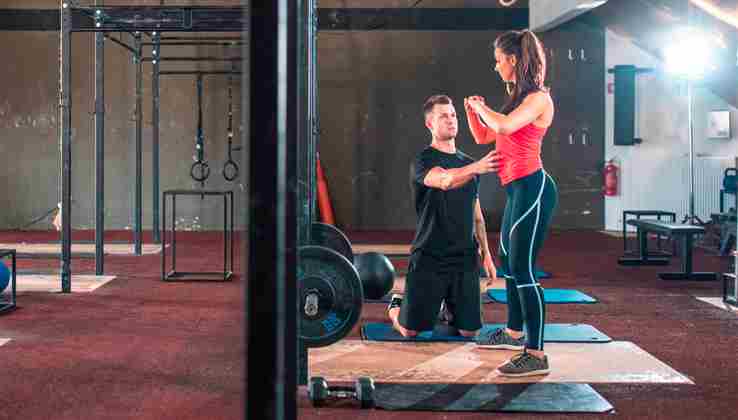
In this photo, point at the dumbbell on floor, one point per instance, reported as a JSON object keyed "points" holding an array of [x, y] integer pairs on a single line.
{"points": [[363, 391]]}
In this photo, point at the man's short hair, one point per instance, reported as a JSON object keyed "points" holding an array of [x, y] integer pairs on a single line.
{"points": [[433, 101]]}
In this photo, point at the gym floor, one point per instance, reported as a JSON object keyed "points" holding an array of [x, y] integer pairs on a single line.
{"points": [[138, 347]]}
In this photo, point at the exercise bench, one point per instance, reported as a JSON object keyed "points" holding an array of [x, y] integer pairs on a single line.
{"points": [[676, 231]]}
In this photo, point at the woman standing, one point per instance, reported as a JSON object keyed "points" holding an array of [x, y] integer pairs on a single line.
{"points": [[531, 193]]}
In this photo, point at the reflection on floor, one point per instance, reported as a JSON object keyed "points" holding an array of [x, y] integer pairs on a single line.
{"points": [[717, 301]]}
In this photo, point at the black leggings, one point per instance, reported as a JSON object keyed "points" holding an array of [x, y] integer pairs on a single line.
{"points": [[531, 201]]}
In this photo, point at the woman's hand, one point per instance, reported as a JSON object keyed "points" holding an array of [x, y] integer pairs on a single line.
{"points": [[475, 103]]}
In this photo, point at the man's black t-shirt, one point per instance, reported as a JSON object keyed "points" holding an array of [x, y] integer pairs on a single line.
{"points": [[444, 237]]}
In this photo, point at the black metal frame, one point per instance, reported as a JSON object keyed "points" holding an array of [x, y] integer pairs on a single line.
{"points": [[8, 306], [228, 207], [136, 21], [730, 293]]}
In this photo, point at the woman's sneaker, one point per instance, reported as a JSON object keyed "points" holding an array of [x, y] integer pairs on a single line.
{"points": [[500, 339], [524, 364]]}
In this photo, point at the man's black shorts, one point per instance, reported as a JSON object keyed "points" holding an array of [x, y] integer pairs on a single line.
{"points": [[424, 292]]}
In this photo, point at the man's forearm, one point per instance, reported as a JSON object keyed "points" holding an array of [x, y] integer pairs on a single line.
{"points": [[456, 177], [481, 231]]}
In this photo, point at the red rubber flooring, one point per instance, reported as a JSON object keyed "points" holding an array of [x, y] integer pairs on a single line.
{"points": [[141, 348]]}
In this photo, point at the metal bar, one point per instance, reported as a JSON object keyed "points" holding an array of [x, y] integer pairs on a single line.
{"points": [[422, 19], [174, 232], [99, 154], [233, 216], [227, 19], [159, 18], [690, 131], [65, 144], [202, 38], [121, 43], [138, 200], [146, 59], [225, 234], [195, 44], [164, 237], [196, 73], [271, 377], [155, 141], [314, 116]]}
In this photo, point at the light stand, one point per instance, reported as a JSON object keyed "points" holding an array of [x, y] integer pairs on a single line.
{"points": [[689, 58], [690, 217]]}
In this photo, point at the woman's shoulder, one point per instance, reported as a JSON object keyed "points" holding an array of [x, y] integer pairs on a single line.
{"points": [[543, 94]]}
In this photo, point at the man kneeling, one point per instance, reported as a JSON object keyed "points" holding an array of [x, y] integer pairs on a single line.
{"points": [[444, 261]]}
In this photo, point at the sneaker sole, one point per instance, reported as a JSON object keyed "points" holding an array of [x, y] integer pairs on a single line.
{"points": [[500, 346], [521, 375]]}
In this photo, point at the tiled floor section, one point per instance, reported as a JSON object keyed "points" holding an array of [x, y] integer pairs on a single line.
{"points": [[52, 283], [614, 362], [387, 249], [51, 248]]}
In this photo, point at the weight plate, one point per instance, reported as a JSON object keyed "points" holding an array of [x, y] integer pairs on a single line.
{"points": [[330, 296], [365, 391], [331, 237], [318, 391]]}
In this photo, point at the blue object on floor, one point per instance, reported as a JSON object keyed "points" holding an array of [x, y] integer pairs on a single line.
{"points": [[540, 274], [4, 276], [553, 333], [549, 296]]}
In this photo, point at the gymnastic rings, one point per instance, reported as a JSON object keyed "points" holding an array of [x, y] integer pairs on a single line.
{"points": [[230, 170], [200, 171]]}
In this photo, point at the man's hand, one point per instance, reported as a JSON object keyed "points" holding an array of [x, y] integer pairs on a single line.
{"points": [[57, 220], [488, 265], [491, 162]]}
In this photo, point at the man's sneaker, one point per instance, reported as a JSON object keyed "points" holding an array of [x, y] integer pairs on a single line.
{"points": [[524, 364], [500, 339], [395, 302]]}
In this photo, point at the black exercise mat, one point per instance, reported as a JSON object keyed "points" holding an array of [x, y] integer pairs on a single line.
{"points": [[534, 397]]}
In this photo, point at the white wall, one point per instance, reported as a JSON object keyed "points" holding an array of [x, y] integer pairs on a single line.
{"points": [[546, 14], [654, 174]]}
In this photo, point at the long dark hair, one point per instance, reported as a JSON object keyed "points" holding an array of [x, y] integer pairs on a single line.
{"points": [[530, 66]]}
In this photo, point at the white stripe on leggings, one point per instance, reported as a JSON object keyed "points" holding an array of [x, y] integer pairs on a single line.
{"points": [[530, 259]]}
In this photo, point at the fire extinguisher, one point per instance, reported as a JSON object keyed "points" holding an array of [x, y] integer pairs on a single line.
{"points": [[611, 178]]}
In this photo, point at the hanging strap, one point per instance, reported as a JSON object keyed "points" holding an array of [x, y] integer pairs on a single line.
{"points": [[199, 171], [230, 168]]}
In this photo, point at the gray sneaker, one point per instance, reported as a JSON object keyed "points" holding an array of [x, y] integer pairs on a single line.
{"points": [[500, 339], [524, 364]]}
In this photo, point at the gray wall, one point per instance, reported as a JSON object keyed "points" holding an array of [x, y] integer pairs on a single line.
{"points": [[29, 138], [372, 86]]}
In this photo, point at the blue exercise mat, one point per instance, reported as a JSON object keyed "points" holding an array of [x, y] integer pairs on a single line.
{"points": [[549, 296], [553, 333]]}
